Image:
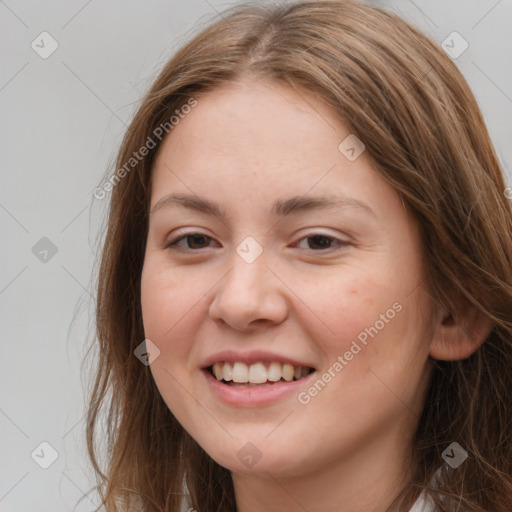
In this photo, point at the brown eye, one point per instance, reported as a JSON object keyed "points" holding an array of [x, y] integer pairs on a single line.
{"points": [[322, 242], [193, 240]]}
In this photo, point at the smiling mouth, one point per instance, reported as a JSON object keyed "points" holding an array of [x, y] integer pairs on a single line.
{"points": [[238, 374]]}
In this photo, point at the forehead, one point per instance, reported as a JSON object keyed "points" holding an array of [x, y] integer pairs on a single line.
{"points": [[261, 119], [251, 127], [263, 141]]}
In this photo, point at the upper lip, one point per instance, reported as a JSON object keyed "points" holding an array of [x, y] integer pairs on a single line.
{"points": [[255, 356]]}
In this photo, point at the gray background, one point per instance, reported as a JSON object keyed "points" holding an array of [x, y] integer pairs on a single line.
{"points": [[62, 121]]}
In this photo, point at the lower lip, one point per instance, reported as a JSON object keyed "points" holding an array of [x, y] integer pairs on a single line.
{"points": [[254, 396]]}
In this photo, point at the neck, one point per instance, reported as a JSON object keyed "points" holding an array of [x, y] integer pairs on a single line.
{"points": [[367, 480]]}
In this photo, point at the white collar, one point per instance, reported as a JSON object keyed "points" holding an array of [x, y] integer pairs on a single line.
{"points": [[423, 504]]}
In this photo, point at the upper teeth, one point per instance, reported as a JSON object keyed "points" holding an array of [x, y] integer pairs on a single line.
{"points": [[258, 373]]}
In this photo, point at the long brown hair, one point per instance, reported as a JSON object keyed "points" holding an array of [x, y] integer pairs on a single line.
{"points": [[406, 100]]}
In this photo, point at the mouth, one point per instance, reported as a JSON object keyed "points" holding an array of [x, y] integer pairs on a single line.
{"points": [[256, 375]]}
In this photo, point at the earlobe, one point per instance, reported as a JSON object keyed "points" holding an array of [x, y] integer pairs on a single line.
{"points": [[455, 338]]}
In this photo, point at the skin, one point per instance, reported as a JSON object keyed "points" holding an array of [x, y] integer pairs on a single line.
{"points": [[245, 146]]}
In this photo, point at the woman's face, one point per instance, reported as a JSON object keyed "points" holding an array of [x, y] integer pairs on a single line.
{"points": [[282, 255]]}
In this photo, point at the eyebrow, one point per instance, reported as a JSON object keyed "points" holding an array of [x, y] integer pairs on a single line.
{"points": [[280, 208]]}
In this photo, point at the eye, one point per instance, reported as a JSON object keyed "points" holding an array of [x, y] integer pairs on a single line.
{"points": [[196, 238], [322, 242]]}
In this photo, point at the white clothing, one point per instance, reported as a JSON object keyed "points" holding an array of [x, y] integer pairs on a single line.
{"points": [[423, 504]]}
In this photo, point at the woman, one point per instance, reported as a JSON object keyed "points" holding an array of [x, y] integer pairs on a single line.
{"points": [[369, 371]]}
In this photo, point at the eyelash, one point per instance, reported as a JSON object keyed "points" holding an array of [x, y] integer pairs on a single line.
{"points": [[173, 243]]}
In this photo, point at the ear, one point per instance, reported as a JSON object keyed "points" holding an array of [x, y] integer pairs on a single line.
{"points": [[457, 337]]}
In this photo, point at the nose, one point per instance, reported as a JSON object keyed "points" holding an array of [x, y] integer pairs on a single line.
{"points": [[250, 296]]}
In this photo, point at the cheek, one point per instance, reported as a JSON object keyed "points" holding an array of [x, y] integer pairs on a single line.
{"points": [[167, 296], [373, 320], [173, 309], [155, 300], [346, 303], [163, 306], [164, 309]]}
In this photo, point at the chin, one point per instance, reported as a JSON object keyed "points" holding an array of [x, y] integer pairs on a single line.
{"points": [[259, 458]]}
